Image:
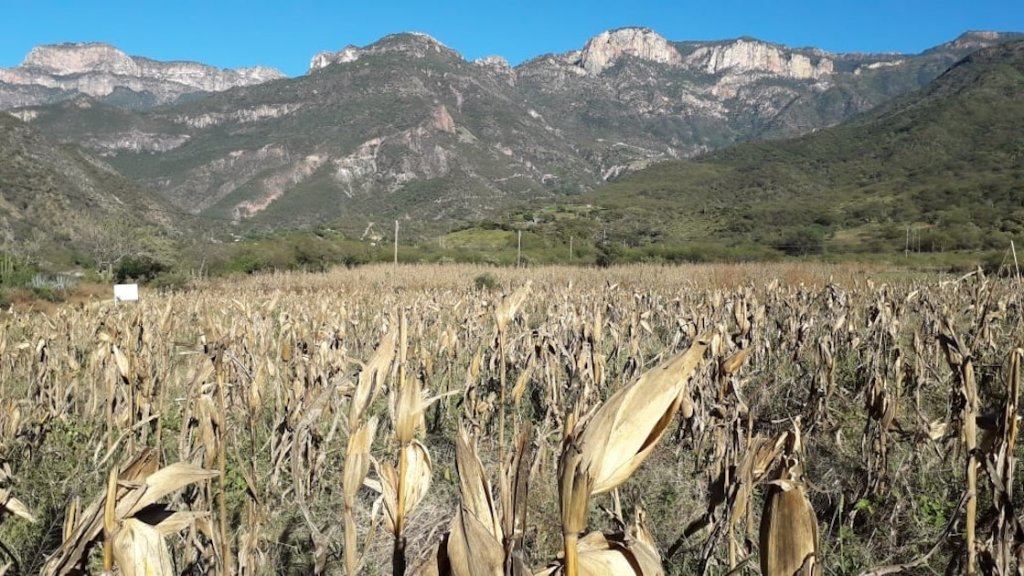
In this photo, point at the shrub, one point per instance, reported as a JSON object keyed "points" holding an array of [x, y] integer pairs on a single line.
{"points": [[485, 281], [171, 281], [138, 268], [802, 241], [608, 253]]}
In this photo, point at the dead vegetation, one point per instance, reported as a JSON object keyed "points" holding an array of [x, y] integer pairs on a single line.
{"points": [[635, 421]]}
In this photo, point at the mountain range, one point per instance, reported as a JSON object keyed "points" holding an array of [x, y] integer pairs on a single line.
{"points": [[405, 128], [935, 170], [53, 73]]}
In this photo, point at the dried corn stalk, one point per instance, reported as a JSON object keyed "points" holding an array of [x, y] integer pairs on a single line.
{"points": [[131, 496], [1001, 555], [789, 528], [602, 451]]}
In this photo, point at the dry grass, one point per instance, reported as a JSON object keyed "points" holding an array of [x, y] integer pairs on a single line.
{"points": [[328, 408]]}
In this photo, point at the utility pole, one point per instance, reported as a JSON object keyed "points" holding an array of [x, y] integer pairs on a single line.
{"points": [[519, 249], [1016, 267], [396, 243]]}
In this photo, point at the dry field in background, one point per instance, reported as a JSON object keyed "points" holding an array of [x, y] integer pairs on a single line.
{"points": [[745, 419]]}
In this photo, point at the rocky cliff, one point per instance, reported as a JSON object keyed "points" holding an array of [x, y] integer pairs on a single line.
{"points": [[405, 127], [57, 72], [746, 56], [607, 48]]}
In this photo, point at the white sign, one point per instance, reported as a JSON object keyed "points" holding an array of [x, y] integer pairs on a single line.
{"points": [[126, 292]]}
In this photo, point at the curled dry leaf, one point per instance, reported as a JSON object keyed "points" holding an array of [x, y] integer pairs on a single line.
{"points": [[407, 409], [510, 305], [733, 363], [621, 434], [600, 555], [789, 528], [371, 378], [135, 489], [140, 550], [15, 506], [472, 548], [417, 467], [602, 452], [357, 459], [474, 486]]}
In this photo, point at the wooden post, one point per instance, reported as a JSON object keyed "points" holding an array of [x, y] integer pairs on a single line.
{"points": [[519, 250], [570, 248], [1016, 267], [396, 243]]}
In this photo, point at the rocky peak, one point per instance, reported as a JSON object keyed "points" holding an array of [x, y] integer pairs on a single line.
{"points": [[494, 62], [603, 50], [976, 39], [81, 58], [95, 69], [349, 53], [747, 55], [411, 44]]}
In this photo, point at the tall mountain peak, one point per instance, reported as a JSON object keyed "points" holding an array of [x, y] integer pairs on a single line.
{"points": [[603, 50], [411, 44]]}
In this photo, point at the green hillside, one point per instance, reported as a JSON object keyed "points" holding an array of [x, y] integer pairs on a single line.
{"points": [[62, 205], [945, 163]]}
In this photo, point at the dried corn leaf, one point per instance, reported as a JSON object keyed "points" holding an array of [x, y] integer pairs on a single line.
{"points": [[161, 483], [415, 484], [15, 506], [733, 363], [474, 486], [407, 409], [624, 431], [140, 550], [357, 458], [510, 305], [601, 556], [123, 367], [372, 377], [472, 548], [130, 487], [789, 530]]}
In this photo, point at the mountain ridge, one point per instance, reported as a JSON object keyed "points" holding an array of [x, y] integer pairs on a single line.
{"points": [[944, 163], [54, 72], [408, 128]]}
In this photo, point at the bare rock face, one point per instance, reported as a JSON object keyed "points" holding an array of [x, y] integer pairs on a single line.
{"points": [[324, 59], [68, 59], [603, 50], [58, 72], [495, 62], [134, 141], [746, 56], [976, 39], [410, 44]]}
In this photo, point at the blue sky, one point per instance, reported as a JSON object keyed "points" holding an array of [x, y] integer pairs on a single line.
{"points": [[286, 34]]}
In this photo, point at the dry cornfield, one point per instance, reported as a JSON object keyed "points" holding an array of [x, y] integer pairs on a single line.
{"points": [[773, 419]]}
